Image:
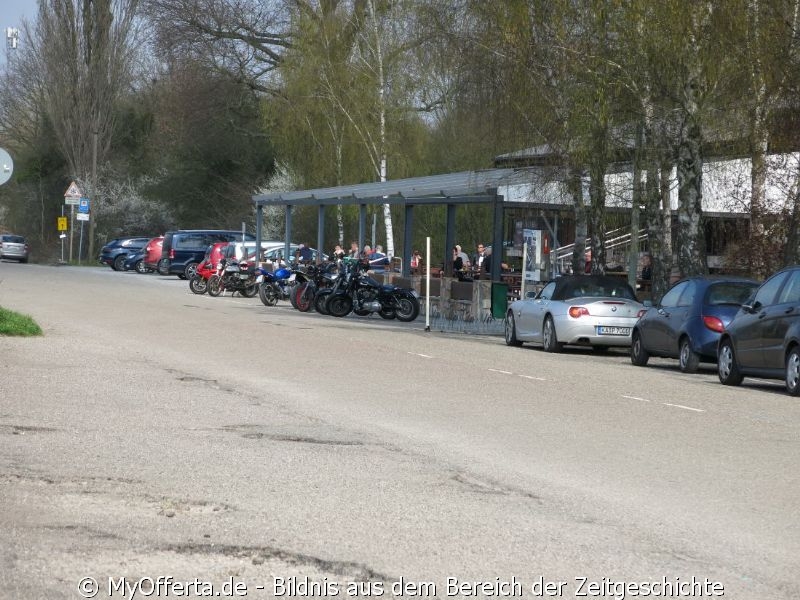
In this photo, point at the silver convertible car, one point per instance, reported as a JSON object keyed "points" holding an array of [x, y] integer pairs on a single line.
{"points": [[595, 310]]}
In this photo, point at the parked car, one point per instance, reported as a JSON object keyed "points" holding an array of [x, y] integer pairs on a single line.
{"points": [[595, 310], [116, 251], [14, 247], [182, 250], [763, 339], [273, 253], [688, 321], [152, 252], [135, 262]]}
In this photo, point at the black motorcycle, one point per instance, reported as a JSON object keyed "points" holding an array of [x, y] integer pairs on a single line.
{"points": [[363, 295], [233, 277], [312, 279]]}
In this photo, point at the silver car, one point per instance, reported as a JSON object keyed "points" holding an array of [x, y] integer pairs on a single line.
{"points": [[14, 247], [595, 310]]}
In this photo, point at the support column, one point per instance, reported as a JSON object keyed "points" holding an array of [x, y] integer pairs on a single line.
{"points": [[497, 235], [320, 232], [449, 240], [288, 240], [408, 239], [362, 226], [259, 219]]}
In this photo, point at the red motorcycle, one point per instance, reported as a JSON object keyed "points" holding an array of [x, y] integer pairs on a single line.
{"points": [[208, 267]]}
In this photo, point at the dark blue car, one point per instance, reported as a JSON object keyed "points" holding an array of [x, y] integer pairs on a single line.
{"points": [[136, 262], [764, 338], [115, 252], [689, 319]]}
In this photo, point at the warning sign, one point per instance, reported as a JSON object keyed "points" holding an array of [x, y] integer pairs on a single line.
{"points": [[62, 223], [73, 191]]}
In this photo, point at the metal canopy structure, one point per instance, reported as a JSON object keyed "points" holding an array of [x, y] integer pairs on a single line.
{"points": [[452, 189]]}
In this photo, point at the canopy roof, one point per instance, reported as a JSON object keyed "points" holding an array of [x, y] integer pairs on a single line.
{"points": [[451, 188]]}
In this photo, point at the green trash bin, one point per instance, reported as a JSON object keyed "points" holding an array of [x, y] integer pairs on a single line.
{"points": [[499, 300]]}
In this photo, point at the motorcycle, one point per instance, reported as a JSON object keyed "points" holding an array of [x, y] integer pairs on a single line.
{"points": [[199, 283], [334, 283], [315, 277], [275, 285], [363, 295], [233, 277]]}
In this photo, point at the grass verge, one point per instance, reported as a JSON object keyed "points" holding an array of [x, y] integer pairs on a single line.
{"points": [[12, 323]]}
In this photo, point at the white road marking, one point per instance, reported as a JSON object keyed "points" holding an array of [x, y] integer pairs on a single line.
{"points": [[636, 398], [499, 371], [418, 354], [684, 407], [534, 378]]}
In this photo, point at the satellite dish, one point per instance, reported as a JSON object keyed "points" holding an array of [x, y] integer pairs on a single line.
{"points": [[6, 166]]}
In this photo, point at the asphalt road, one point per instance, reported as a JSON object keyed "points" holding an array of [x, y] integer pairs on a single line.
{"points": [[155, 433]]}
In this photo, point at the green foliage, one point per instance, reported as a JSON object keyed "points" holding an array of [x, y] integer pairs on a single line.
{"points": [[212, 150], [16, 324]]}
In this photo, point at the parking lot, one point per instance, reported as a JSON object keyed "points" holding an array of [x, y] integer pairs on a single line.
{"points": [[153, 432]]}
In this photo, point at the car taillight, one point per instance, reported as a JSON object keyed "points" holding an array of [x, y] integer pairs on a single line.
{"points": [[714, 324], [641, 313], [171, 254], [578, 311]]}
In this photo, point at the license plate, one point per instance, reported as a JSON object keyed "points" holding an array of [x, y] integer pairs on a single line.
{"points": [[605, 330]]}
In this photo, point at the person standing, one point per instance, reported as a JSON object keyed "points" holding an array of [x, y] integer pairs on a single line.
{"points": [[481, 260], [647, 267], [416, 262]]}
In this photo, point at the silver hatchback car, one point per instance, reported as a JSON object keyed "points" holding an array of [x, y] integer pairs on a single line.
{"points": [[14, 247]]}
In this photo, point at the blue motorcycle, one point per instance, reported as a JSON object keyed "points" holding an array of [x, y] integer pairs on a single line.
{"points": [[275, 285]]}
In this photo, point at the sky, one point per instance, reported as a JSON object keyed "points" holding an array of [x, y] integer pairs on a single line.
{"points": [[12, 12]]}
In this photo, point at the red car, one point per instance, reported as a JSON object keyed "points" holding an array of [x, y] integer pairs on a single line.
{"points": [[208, 266], [152, 253]]}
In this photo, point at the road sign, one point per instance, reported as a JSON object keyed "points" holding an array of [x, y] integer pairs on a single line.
{"points": [[6, 166], [62, 223], [82, 216], [73, 191], [83, 205]]}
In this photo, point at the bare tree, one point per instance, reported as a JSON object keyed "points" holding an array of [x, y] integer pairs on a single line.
{"points": [[244, 38], [83, 52]]}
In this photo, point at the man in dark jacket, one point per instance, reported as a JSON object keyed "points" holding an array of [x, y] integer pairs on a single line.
{"points": [[482, 260]]}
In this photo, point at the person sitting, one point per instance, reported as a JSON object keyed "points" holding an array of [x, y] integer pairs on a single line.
{"points": [[378, 260], [464, 258], [458, 262]]}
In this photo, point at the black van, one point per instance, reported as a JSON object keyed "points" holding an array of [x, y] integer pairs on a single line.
{"points": [[184, 249]]}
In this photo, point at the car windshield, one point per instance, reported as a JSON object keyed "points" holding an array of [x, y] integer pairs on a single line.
{"points": [[607, 288], [14, 239], [734, 293]]}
